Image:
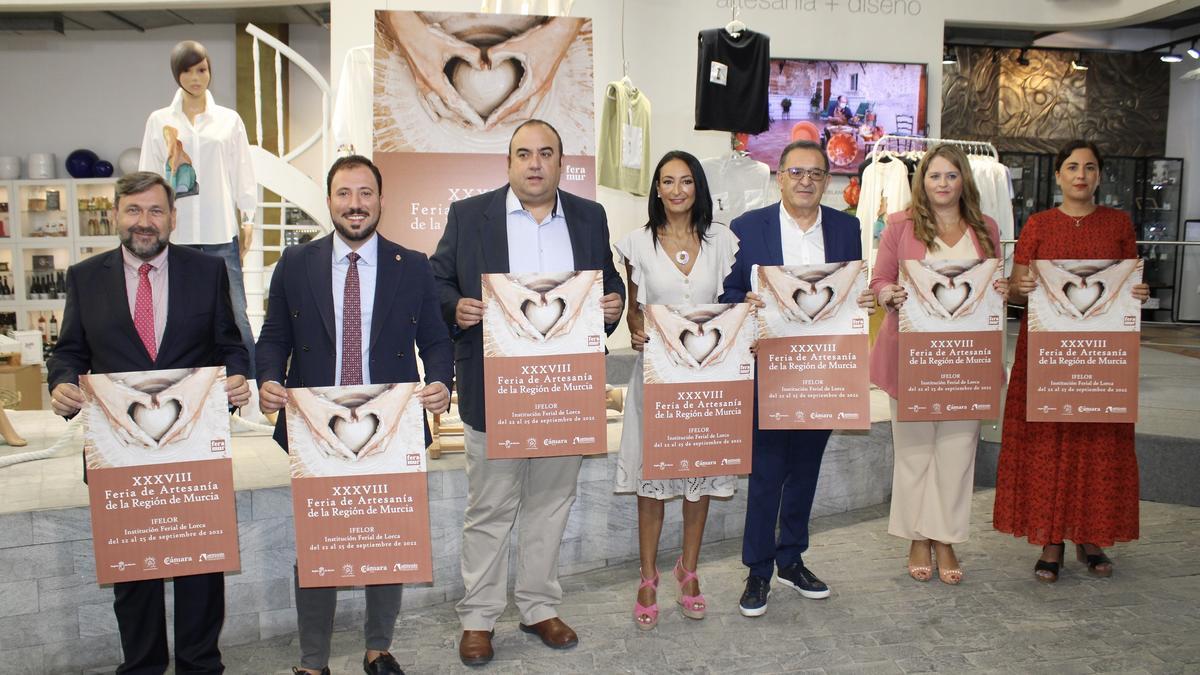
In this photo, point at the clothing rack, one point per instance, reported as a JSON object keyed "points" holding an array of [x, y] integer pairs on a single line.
{"points": [[975, 147]]}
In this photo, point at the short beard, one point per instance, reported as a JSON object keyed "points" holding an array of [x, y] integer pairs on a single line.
{"points": [[351, 235], [146, 253]]}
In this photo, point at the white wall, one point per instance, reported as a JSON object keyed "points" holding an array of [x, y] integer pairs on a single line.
{"points": [[95, 89]]}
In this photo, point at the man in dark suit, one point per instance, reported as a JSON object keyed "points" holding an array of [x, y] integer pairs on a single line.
{"points": [[786, 463], [347, 309], [526, 226], [152, 305]]}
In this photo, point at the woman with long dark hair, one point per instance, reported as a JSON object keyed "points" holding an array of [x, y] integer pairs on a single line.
{"points": [[1058, 480], [934, 468], [680, 257]]}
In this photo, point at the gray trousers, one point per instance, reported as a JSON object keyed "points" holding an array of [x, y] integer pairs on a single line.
{"points": [[314, 619], [541, 492]]}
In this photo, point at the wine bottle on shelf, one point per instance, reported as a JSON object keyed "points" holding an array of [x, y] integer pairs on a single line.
{"points": [[105, 227], [62, 284], [32, 290], [45, 329], [53, 328], [51, 288]]}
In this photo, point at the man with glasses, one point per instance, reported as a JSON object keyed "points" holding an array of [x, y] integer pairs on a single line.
{"points": [[783, 478]]}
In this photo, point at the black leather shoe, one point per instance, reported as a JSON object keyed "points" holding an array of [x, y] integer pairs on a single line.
{"points": [[384, 664], [806, 583], [754, 598], [301, 671]]}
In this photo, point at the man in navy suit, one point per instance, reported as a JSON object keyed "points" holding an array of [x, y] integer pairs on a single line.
{"points": [[152, 305], [786, 463], [526, 226], [347, 309]]}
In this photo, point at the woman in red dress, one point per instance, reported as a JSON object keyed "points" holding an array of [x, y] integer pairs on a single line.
{"points": [[1058, 481]]}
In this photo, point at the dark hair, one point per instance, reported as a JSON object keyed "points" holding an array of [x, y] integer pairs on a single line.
{"points": [[349, 162], [185, 56], [802, 145], [531, 122], [1077, 144], [702, 208], [140, 181]]}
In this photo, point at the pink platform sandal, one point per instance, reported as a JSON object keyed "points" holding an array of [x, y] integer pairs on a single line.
{"points": [[646, 617], [693, 605]]}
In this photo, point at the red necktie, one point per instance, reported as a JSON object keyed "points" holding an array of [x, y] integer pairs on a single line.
{"points": [[143, 311], [351, 326]]}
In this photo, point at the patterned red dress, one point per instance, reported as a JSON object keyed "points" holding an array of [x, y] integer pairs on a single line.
{"points": [[1060, 481]]}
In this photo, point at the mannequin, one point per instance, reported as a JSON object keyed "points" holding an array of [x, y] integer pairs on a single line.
{"points": [[202, 150]]}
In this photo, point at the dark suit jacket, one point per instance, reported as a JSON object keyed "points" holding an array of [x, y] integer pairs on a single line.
{"points": [[759, 243], [98, 336], [475, 242], [300, 323]]}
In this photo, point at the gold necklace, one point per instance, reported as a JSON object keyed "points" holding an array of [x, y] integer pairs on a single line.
{"points": [[1079, 220]]}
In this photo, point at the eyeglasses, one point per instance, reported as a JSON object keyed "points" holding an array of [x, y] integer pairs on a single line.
{"points": [[815, 175]]}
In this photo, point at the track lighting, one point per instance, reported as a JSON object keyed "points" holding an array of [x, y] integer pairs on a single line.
{"points": [[1022, 59], [949, 57], [1193, 52], [1080, 62]]}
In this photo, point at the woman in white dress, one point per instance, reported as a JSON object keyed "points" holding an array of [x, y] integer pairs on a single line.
{"points": [[679, 257]]}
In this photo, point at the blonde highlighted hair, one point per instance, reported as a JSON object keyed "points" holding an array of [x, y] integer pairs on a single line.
{"points": [[921, 211]]}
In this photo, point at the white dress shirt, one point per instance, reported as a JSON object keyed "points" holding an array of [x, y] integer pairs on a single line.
{"points": [[534, 246], [801, 247], [368, 266], [219, 151]]}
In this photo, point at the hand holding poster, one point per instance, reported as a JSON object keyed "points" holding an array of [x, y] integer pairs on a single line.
{"points": [[359, 493], [160, 476], [812, 347], [699, 390], [543, 364], [951, 335], [1084, 333]]}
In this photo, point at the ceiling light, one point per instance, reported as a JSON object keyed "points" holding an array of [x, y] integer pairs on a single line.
{"points": [[1080, 62], [949, 57], [1170, 57], [1193, 52]]}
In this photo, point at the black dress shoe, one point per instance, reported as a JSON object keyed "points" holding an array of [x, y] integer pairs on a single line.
{"points": [[384, 664], [301, 671], [806, 583]]}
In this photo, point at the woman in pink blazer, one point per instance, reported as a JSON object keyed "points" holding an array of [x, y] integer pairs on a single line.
{"points": [[935, 461]]}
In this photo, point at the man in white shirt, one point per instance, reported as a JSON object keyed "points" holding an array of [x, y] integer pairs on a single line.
{"points": [[348, 309], [528, 225], [783, 480]]}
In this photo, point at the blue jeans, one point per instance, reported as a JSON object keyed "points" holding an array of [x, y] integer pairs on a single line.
{"points": [[237, 290]]}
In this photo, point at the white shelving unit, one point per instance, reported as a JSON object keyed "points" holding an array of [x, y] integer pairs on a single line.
{"points": [[65, 233]]}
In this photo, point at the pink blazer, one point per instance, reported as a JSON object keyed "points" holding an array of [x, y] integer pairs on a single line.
{"points": [[899, 243]]}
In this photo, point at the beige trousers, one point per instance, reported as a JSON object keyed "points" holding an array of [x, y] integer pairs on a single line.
{"points": [[541, 492], [933, 479]]}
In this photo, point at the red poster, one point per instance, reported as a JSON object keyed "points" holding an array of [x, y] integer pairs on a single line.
{"points": [[441, 143], [160, 477], [951, 340], [699, 391], [1084, 337], [359, 491], [812, 347], [543, 364]]}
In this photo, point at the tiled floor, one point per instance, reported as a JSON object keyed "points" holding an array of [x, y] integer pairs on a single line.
{"points": [[1142, 620]]}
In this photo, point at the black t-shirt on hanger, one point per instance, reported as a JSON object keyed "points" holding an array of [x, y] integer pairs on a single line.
{"points": [[731, 81]]}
